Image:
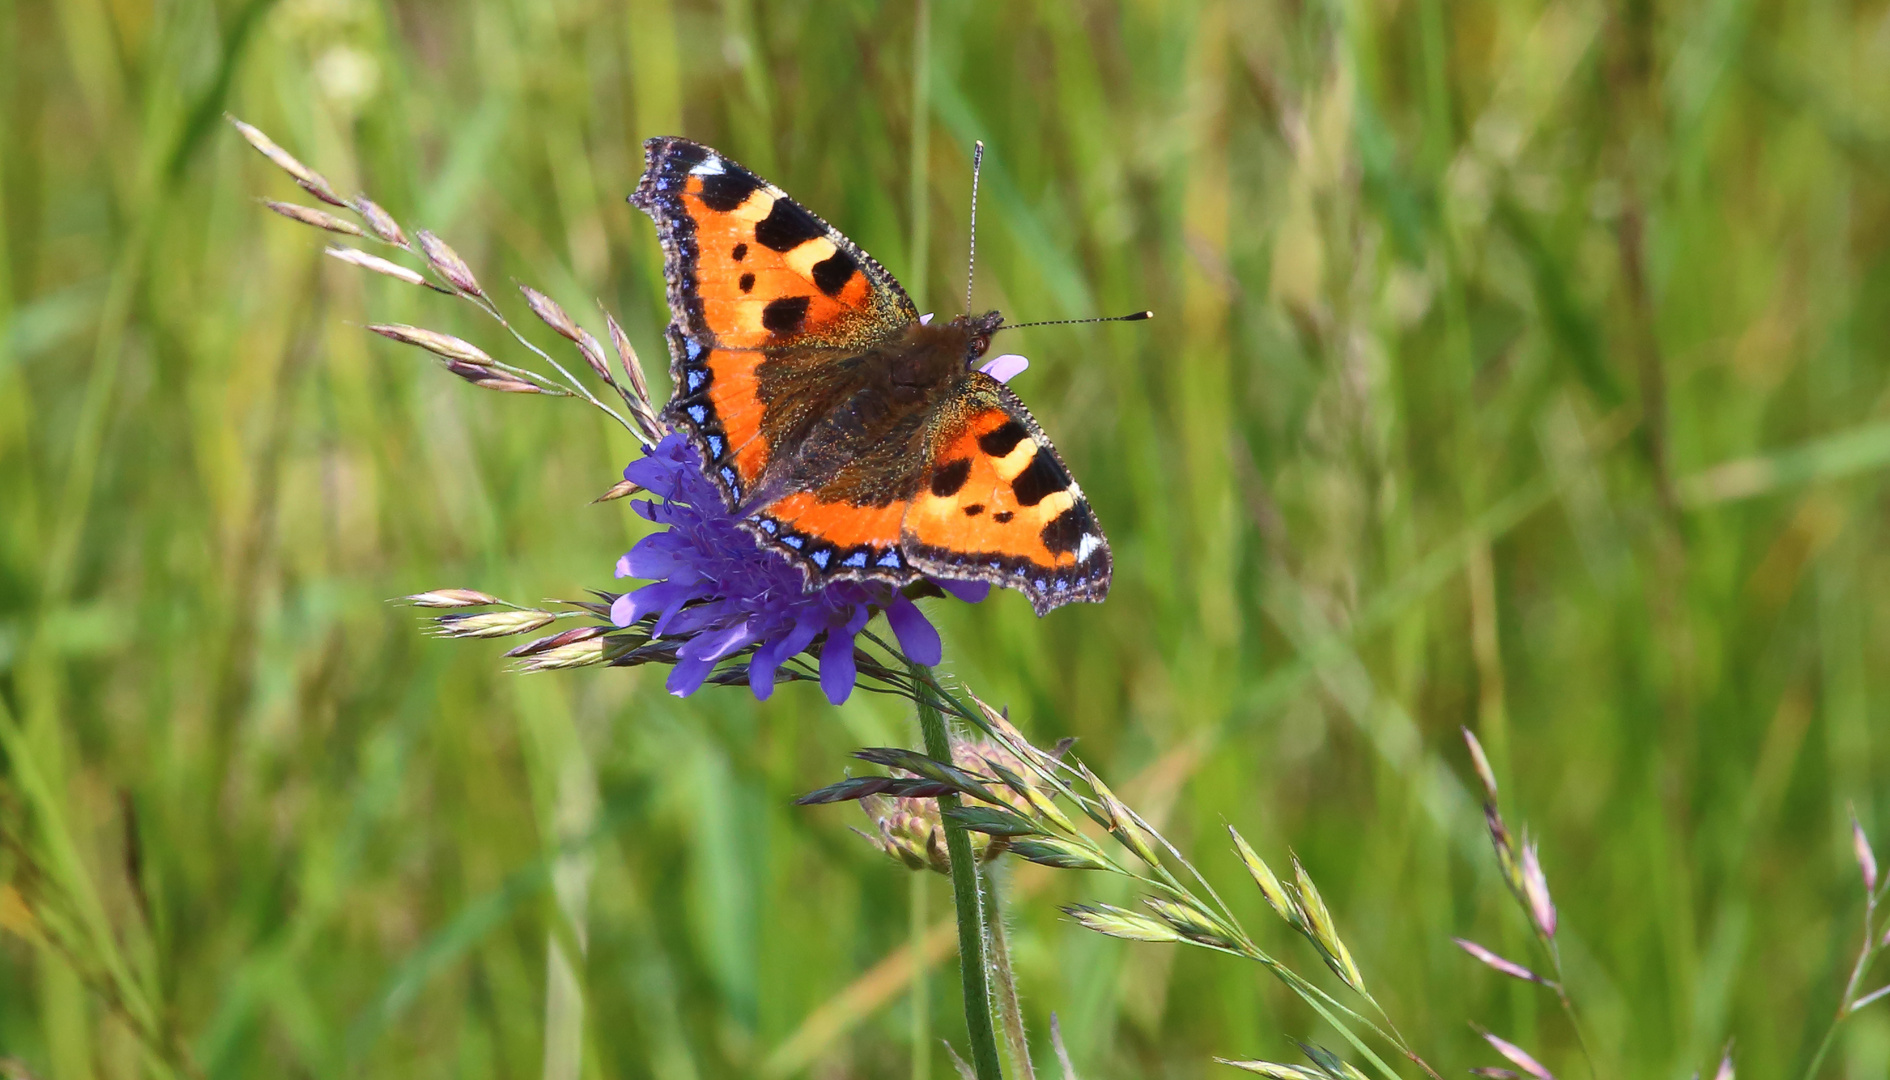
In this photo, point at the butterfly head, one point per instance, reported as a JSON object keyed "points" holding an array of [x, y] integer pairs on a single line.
{"points": [[977, 330]]}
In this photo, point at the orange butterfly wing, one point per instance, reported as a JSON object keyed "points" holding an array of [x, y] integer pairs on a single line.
{"points": [[999, 505], [754, 281]]}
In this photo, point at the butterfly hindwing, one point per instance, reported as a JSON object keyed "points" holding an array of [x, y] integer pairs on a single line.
{"points": [[999, 505]]}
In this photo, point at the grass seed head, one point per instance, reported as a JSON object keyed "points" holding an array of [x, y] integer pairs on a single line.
{"points": [[1062, 854], [1519, 1057], [312, 182], [1507, 967], [1866, 858], [577, 654], [1119, 923], [492, 624], [1121, 821], [1536, 891], [1274, 1070], [434, 342], [1276, 895], [1482, 763], [452, 598], [618, 490], [1320, 928], [357, 257], [380, 221], [1193, 923], [549, 312], [308, 215], [642, 410], [447, 263]]}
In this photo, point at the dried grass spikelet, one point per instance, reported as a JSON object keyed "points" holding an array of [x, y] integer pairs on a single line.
{"points": [[641, 404], [1866, 858], [911, 831], [447, 263], [1497, 963], [1275, 1070], [1536, 892], [312, 182], [357, 257], [379, 220], [1519, 1057], [452, 598], [491, 624], [433, 341], [321, 219]]}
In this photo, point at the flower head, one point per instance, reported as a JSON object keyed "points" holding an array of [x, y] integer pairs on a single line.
{"points": [[716, 591], [909, 828]]}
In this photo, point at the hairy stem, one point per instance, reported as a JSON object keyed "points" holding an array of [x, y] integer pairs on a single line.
{"points": [[1005, 981], [966, 899]]}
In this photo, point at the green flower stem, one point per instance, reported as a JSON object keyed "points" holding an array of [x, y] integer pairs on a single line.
{"points": [[966, 899]]}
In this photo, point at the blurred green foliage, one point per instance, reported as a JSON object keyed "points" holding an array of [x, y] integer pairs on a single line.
{"points": [[1518, 366]]}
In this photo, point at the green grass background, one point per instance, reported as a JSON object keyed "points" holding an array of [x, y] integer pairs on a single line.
{"points": [[1516, 365]]}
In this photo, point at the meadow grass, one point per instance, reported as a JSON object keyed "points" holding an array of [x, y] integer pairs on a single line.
{"points": [[1517, 366]]}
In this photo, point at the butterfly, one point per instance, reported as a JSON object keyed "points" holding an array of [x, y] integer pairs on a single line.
{"points": [[854, 437]]}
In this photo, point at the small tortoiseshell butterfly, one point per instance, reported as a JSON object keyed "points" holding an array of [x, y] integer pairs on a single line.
{"points": [[853, 437]]}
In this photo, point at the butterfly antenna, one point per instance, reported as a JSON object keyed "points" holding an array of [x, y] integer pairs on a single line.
{"points": [[971, 264], [1133, 316]]}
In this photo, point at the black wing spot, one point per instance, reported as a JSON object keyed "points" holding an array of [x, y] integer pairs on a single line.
{"points": [[1003, 517], [1002, 441], [739, 252], [1043, 478], [1065, 531], [747, 282], [974, 509], [832, 273], [949, 477], [683, 153], [728, 189], [785, 316], [786, 227]]}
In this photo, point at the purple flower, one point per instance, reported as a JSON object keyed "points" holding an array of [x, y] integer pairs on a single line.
{"points": [[719, 592]]}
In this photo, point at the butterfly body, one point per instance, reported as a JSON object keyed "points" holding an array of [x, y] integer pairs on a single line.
{"points": [[855, 438]]}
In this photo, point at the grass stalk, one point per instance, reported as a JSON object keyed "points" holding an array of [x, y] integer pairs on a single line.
{"points": [[966, 900]]}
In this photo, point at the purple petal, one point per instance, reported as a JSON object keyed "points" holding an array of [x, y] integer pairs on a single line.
{"points": [[971, 592], [717, 644], [1005, 368], [917, 636], [623, 610], [837, 669], [925, 319], [761, 666], [661, 596], [686, 677]]}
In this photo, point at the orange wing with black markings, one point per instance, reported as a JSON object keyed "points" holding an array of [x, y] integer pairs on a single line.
{"points": [[999, 505], [754, 279]]}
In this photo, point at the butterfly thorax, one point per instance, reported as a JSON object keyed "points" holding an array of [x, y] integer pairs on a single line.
{"points": [[875, 407]]}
